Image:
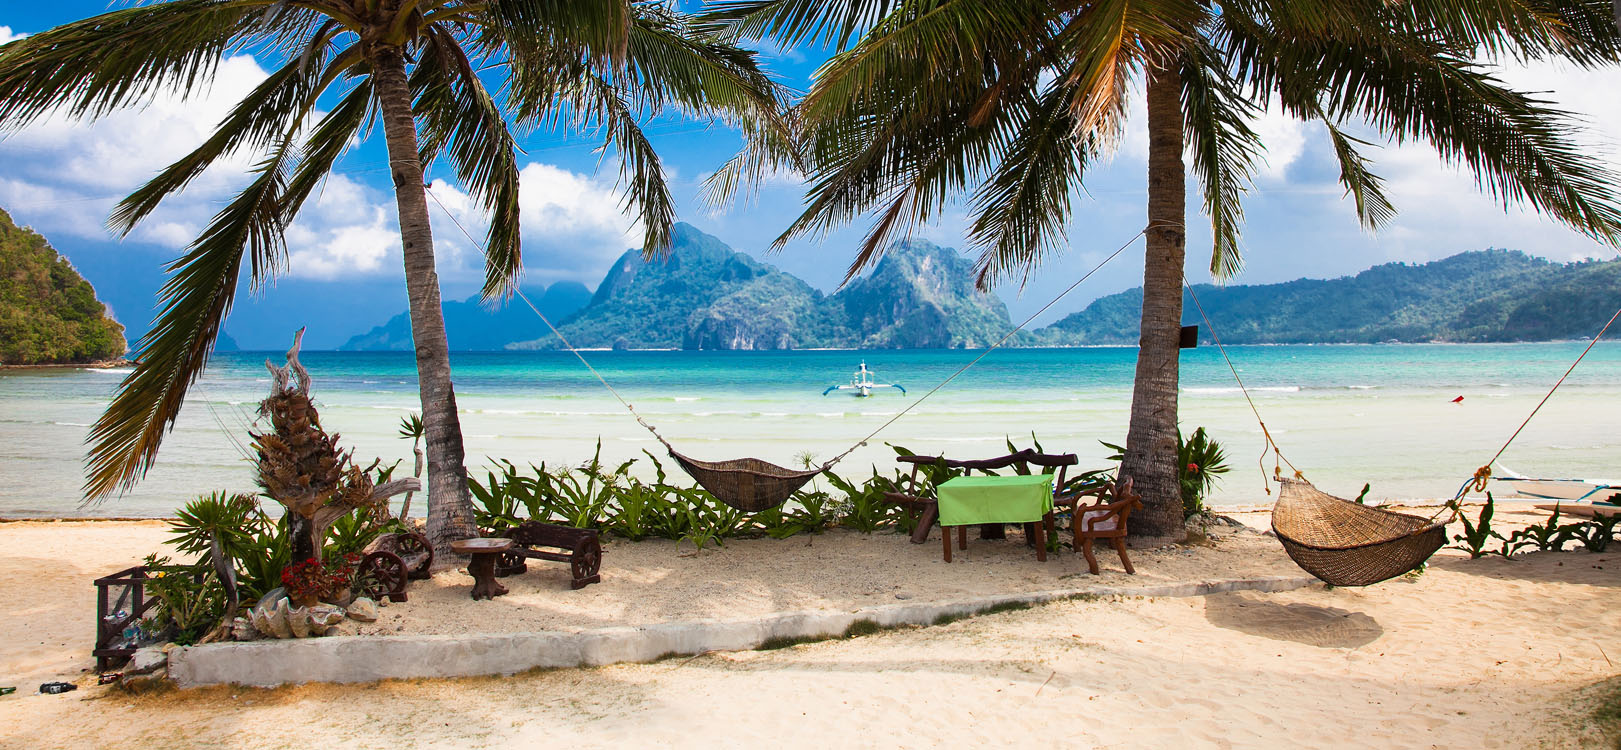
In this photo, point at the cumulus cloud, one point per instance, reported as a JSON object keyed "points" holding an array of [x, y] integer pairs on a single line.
{"points": [[574, 226], [64, 176], [7, 35]]}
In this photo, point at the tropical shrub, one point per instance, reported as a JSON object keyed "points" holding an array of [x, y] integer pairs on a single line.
{"points": [[1476, 533], [190, 599], [1199, 461]]}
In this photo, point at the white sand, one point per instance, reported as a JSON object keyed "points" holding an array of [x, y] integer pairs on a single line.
{"points": [[1482, 653]]}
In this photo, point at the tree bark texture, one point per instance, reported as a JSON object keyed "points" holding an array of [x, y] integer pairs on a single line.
{"points": [[1151, 441], [450, 505]]}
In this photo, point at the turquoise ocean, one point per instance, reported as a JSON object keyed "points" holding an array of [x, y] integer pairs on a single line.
{"points": [[1381, 414]]}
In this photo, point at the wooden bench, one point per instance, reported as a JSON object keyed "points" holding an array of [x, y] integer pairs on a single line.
{"points": [[580, 548]]}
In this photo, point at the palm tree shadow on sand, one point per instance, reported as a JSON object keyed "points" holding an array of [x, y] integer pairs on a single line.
{"points": [[1327, 627]]}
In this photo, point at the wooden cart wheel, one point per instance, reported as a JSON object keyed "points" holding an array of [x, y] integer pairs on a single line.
{"points": [[383, 574], [586, 561], [510, 563], [411, 543]]}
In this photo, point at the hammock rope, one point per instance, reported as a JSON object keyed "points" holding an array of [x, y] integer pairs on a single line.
{"points": [[751, 484]]}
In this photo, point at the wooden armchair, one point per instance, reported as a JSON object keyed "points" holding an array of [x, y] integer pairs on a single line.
{"points": [[1104, 519], [920, 504]]}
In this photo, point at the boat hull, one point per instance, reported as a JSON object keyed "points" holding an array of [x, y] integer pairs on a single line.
{"points": [[1555, 489]]}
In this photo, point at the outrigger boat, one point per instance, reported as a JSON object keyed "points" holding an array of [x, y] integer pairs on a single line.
{"points": [[1556, 489], [861, 384]]}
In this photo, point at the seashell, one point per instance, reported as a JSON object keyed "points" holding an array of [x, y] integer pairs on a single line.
{"points": [[242, 629], [298, 619], [323, 616], [277, 620]]}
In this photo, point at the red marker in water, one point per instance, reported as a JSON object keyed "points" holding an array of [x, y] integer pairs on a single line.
{"points": [[1457, 400]]}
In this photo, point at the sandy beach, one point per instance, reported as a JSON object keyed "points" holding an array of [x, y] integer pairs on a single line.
{"points": [[1473, 653]]}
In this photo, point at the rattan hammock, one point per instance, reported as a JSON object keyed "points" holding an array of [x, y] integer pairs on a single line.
{"points": [[1349, 544], [747, 484]]}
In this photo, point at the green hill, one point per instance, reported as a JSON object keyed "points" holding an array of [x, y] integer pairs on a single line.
{"points": [[1486, 295], [48, 313], [704, 295]]}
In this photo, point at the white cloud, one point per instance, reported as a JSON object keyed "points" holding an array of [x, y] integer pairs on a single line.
{"points": [[345, 231], [573, 226], [1284, 139], [66, 175], [7, 35]]}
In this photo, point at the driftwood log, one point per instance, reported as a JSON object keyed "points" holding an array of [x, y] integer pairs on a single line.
{"points": [[300, 464]]}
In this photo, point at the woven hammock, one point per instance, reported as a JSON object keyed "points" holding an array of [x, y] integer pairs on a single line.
{"points": [[1350, 544], [747, 484]]}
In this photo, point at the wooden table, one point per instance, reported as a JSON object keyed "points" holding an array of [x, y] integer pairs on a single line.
{"points": [[973, 500], [484, 551]]}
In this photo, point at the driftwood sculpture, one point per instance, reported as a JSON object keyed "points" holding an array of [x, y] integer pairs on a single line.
{"points": [[301, 467]]}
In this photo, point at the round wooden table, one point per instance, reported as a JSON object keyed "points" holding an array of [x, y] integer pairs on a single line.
{"points": [[484, 551]]}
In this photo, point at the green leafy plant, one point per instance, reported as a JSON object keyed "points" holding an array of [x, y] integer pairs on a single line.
{"points": [[1200, 461], [1597, 534], [190, 597], [1476, 533], [1548, 536]]}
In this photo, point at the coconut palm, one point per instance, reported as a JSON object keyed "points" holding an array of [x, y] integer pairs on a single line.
{"points": [[1013, 100], [418, 68]]}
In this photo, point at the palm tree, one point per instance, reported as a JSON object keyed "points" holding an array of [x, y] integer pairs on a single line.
{"points": [[1014, 99], [601, 65]]}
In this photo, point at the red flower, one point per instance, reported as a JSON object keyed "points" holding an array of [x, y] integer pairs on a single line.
{"points": [[1193, 468]]}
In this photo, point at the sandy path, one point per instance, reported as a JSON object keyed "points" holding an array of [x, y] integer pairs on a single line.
{"points": [[1482, 653]]}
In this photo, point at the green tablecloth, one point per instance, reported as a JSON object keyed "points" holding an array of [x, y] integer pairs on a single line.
{"points": [[983, 499]]}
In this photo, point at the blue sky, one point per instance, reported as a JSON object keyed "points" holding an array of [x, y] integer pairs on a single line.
{"points": [[63, 177]]}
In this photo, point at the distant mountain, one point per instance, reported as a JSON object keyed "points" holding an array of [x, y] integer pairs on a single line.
{"points": [[48, 313], [704, 295], [224, 343], [470, 325], [1486, 295]]}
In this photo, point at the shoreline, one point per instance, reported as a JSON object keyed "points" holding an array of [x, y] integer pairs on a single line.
{"points": [[104, 364]]}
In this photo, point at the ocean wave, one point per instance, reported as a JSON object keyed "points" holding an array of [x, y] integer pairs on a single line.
{"points": [[110, 370], [1236, 389], [689, 398], [831, 414], [71, 424], [1362, 387]]}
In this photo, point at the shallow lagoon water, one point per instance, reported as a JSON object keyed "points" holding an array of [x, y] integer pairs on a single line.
{"points": [[1382, 414]]}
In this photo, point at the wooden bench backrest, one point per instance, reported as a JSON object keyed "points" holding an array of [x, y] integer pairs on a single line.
{"points": [[1026, 458]]}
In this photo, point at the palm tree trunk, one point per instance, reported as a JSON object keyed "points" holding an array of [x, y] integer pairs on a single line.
{"points": [[450, 506], [1151, 441]]}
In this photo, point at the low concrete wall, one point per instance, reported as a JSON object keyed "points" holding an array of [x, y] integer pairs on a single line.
{"points": [[368, 658]]}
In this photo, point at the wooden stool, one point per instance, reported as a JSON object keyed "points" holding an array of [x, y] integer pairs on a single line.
{"points": [[482, 567]]}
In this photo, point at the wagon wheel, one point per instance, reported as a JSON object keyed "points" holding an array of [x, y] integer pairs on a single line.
{"points": [[383, 574], [412, 543], [586, 561], [510, 563]]}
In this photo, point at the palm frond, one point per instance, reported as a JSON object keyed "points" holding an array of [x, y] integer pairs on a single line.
{"points": [[272, 109], [172, 354], [1224, 148], [793, 22], [91, 67], [640, 169], [1021, 209], [1373, 206], [459, 115]]}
